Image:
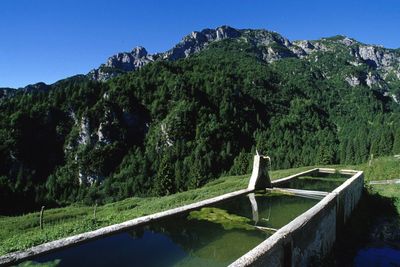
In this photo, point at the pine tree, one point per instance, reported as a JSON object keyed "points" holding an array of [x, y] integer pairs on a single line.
{"points": [[350, 152], [165, 181], [385, 143], [396, 142]]}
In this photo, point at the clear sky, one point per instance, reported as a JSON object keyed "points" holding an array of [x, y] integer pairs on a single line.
{"points": [[47, 40]]}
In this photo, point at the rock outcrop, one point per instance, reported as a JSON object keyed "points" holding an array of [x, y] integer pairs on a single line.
{"points": [[130, 61], [353, 81], [196, 41], [84, 131], [122, 62]]}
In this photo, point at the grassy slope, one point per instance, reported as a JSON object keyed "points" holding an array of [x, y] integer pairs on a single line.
{"points": [[389, 190], [21, 232]]}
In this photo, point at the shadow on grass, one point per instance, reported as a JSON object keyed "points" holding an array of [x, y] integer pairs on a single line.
{"points": [[375, 222]]}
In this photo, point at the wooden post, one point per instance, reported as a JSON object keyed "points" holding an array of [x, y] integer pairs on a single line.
{"points": [[370, 160], [41, 218], [94, 211]]}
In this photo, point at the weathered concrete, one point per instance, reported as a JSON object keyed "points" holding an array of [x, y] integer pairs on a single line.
{"points": [[280, 182], [310, 236], [301, 192], [260, 179], [254, 207], [349, 193], [393, 181]]}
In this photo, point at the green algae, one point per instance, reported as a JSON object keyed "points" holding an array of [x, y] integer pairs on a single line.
{"points": [[226, 220]]}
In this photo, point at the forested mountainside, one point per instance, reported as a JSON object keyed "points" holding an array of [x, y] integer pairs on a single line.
{"points": [[157, 124]]}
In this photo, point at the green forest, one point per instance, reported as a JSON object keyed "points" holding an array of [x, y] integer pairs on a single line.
{"points": [[173, 126]]}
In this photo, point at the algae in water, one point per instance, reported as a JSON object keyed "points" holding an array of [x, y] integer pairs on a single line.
{"points": [[226, 220]]}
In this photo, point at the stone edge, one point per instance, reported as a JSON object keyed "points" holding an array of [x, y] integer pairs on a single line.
{"points": [[278, 239]]}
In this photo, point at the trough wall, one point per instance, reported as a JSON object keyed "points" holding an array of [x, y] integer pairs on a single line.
{"points": [[309, 237]]}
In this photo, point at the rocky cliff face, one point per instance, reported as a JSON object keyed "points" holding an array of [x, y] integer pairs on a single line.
{"points": [[110, 125]]}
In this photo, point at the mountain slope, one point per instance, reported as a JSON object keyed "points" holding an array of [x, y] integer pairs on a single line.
{"points": [[173, 121]]}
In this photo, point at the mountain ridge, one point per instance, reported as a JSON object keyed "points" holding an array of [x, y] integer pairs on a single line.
{"points": [[271, 46]]}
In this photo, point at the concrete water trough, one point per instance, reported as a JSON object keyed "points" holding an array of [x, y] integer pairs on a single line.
{"points": [[294, 223]]}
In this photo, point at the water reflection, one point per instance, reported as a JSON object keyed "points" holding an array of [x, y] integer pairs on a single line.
{"points": [[254, 207], [211, 236]]}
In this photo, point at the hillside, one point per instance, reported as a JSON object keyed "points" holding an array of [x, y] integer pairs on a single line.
{"points": [[148, 125]]}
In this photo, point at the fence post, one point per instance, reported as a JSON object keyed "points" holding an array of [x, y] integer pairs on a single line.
{"points": [[370, 160], [94, 211], [41, 218]]}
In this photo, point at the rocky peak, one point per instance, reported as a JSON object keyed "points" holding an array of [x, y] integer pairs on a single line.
{"points": [[139, 52], [126, 61], [265, 38], [307, 46], [129, 61], [224, 32], [347, 41], [209, 35], [196, 41]]}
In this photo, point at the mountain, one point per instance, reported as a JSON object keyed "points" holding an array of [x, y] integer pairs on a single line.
{"points": [[269, 46], [146, 124]]}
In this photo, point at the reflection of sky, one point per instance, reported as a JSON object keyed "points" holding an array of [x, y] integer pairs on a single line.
{"points": [[382, 257]]}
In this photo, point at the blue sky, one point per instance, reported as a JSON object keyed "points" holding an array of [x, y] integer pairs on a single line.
{"points": [[47, 40]]}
